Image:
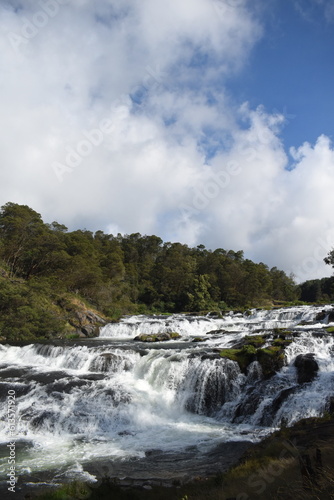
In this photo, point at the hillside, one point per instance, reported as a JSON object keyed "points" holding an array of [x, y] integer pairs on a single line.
{"points": [[32, 310], [50, 277]]}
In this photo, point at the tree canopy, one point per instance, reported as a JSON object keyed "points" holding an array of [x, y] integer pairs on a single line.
{"points": [[128, 273]]}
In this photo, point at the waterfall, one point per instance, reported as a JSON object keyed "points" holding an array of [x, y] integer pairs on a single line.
{"points": [[117, 399]]}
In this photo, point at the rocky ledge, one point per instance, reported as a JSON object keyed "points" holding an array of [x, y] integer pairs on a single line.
{"points": [[157, 337]]}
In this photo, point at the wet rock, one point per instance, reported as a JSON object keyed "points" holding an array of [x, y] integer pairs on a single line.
{"points": [[90, 330], [65, 386], [282, 396], [104, 362], [109, 362], [330, 405], [324, 314], [271, 359], [216, 332], [248, 406], [46, 417], [157, 337], [20, 389], [307, 367]]}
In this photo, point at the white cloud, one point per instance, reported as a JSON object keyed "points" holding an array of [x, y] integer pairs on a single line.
{"points": [[307, 9], [178, 135]]}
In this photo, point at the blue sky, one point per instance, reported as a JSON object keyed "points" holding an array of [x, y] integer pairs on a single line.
{"points": [[202, 121], [291, 70]]}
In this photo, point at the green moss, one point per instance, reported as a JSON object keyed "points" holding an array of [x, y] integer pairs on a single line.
{"points": [[282, 342], [243, 356], [72, 336], [72, 491], [330, 329], [174, 335], [271, 358], [229, 353], [256, 340]]}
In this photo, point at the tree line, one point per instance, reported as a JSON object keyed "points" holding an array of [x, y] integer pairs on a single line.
{"points": [[133, 273]]}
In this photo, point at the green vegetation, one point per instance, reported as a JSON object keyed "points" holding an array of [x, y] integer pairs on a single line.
{"points": [[243, 356], [270, 358], [256, 341], [72, 491], [157, 337], [273, 468], [317, 291], [44, 265]]}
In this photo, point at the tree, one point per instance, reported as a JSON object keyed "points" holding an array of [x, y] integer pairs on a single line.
{"points": [[28, 245], [330, 258]]}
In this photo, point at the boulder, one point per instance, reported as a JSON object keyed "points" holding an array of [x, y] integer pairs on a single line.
{"points": [[329, 314], [157, 337], [90, 330], [307, 367], [216, 332]]}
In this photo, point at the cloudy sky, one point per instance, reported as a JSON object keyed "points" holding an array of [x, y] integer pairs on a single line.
{"points": [[201, 121]]}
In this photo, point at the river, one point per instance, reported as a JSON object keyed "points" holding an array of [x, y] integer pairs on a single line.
{"points": [[155, 411]]}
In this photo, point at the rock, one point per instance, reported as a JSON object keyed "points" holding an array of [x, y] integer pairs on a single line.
{"points": [[307, 367], [330, 405], [324, 314], [157, 337], [107, 362], [90, 330], [94, 318], [216, 332], [271, 359], [282, 396]]}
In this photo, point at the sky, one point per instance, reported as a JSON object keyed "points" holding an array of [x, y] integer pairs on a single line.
{"points": [[202, 121]]}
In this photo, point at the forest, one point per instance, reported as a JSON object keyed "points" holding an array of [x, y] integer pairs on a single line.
{"points": [[43, 266]]}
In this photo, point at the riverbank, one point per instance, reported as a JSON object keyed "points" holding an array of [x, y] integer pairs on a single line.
{"points": [[293, 463], [119, 413]]}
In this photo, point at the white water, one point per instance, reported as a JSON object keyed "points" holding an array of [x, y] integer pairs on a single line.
{"points": [[193, 326], [120, 399]]}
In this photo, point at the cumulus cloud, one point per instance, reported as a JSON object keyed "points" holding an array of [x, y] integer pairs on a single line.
{"points": [[115, 116]]}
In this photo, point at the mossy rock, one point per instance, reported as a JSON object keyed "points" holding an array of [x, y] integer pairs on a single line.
{"points": [[282, 342], [255, 340], [157, 337], [243, 356], [271, 360], [198, 339], [282, 332], [330, 329]]}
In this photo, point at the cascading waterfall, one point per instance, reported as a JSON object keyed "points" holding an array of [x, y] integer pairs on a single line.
{"points": [[117, 399]]}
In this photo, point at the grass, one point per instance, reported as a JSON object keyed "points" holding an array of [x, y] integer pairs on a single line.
{"points": [[269, 469]]}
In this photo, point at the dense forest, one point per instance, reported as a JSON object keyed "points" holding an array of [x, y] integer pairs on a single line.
{"points": [[43, 266]]}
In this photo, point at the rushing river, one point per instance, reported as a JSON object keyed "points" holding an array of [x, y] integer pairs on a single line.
{"points": [[119, 407]]}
